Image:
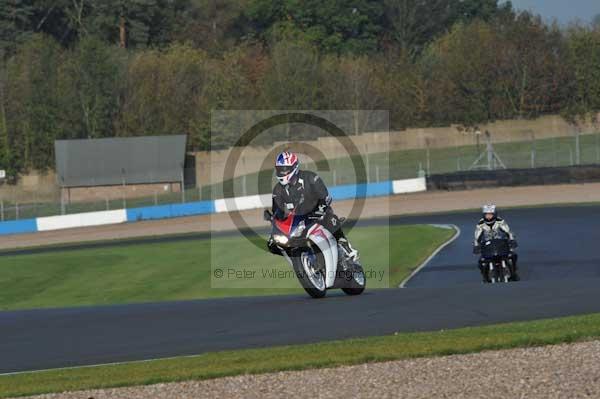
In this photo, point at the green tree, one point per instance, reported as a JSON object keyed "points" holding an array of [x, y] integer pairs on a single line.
{"points": [[292, 81], [212, 25], [403, 92], [34, 110], [165, 92], [5, 151], [15, 24], [353, 83], [413, 23], [141, 22], [484, 71], [469, 10], [459, 74], [596, 21], [93, 76], [532, 67], [340, 26], [232, 84], [584, 46]]}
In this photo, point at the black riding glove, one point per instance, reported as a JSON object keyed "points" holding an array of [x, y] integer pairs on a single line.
{"points": [[280, 214], [273, 248]]}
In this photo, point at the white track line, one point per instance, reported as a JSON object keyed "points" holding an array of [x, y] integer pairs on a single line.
{"points": [[88, 366], [437, 251]]}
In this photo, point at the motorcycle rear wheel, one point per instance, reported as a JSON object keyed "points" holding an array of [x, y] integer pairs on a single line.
{"points": [[358, 283]]}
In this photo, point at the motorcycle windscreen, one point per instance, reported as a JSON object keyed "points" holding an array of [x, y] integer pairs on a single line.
{"points": [[286, 225]]}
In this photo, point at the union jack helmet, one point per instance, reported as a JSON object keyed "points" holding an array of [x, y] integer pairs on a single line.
{"points": [[286, 167]]}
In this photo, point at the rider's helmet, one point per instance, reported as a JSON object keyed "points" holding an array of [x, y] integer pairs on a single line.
{"points": [[490, 213], [286, 167]]}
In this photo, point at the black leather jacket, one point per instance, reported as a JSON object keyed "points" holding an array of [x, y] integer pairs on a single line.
{"points": [[307, 195]]}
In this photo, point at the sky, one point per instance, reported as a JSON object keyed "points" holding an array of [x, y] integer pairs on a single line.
{"points": [[564, 11]]}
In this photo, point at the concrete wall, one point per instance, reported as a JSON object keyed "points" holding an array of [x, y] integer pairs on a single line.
{"points": [[38, 187], [33, 187], [210, 166]]}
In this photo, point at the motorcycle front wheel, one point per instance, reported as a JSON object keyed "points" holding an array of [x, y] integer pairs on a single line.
{"points": [[309, 267]]}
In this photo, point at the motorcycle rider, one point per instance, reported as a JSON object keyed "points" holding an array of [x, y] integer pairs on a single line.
{"points": [[490, 226], [304, 193]]}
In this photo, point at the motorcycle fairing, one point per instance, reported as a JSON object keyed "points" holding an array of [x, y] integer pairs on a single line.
{"points": [[327, 243], [287, 225]]}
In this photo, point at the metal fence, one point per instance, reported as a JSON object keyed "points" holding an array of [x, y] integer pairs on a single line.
{"points": [[553, 152]]}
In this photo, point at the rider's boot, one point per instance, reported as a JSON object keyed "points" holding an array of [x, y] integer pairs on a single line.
{"points": [[484, 273], [350, 252], [513, 269]]}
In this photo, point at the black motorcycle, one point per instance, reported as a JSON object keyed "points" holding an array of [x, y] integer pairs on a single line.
{"points": [[496, 260]]}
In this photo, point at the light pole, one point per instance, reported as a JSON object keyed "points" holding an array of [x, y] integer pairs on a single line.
{"points": [[62, 195], [182, 183], [124, 187]]}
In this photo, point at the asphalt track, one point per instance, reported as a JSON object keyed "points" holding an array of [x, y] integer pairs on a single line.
{"points": [[560, 268]]}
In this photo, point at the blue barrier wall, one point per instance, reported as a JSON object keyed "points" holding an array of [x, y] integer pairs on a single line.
{"points": [[350, 191], [170, 211], [18, 226], [206, 207]]}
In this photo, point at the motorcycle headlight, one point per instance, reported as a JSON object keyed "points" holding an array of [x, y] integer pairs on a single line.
{"points": [[280, 239], [298, 230]]}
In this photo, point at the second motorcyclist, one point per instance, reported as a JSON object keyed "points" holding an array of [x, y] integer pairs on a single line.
{"points": [[491, 226]]}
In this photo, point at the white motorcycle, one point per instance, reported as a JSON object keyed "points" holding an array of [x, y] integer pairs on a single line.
{"points": [[314, 254]]}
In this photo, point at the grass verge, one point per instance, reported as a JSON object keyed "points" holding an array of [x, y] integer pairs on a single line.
{"points": [[299, 357], [180, 270]]}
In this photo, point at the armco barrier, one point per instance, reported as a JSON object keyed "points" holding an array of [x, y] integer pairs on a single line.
{"points": [[198, 208]]}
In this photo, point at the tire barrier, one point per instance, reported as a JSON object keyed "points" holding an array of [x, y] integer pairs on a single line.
{"points": [[514, 177]]}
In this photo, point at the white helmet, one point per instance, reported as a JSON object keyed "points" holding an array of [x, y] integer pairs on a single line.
{"points": [[487, 209]]}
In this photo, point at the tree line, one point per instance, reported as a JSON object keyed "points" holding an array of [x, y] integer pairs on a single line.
{"points": [[86, 69]]}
